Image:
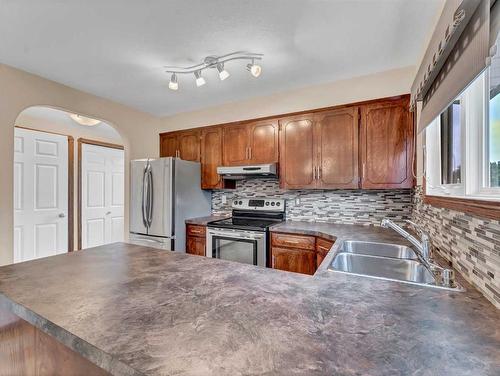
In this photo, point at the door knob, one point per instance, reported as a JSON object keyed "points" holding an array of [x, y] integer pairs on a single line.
{"points": [[62, 215], [108, 213]]}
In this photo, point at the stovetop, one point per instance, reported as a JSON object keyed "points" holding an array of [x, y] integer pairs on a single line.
{"points": [[254, 214], [253, 224]]}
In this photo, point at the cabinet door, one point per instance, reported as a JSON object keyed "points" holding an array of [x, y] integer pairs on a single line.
{"points": [[195, 246], [297, 153], [387, 145], [189, 146], [263, 143], [323, 246], [168, 145], [337, 145], [211, 158], [293, 260], [235, 145]]}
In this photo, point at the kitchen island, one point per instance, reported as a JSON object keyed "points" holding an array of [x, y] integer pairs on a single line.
{"points": [[134, 310]]}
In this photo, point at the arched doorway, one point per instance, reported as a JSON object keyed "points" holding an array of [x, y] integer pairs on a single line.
{"points": [[48, 180]]}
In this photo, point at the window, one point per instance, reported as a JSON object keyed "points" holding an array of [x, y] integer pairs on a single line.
{"points": [[450, 134], [462, 145], [493, 138]]}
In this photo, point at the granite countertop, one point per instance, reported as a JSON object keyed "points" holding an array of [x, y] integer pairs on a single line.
{"points": [[202, 221], [135, 310]]}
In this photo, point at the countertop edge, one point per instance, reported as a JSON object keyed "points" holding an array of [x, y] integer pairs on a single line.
{"points": [[88, 351]]}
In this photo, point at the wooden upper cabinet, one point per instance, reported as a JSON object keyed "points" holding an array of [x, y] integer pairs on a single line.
{"points": [[168, 145], [297, 153], [337, 148], [189, 146], [250, 143], [263, 142], [386, 145], [211, 158], [366, 145], [235, 149], [184, 145]]}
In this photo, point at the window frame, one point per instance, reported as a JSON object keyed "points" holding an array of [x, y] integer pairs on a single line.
{"points": [[473, 190], [440, 189]]}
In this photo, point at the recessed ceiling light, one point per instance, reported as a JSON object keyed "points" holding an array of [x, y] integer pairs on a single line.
{"points": [[82, 120]]}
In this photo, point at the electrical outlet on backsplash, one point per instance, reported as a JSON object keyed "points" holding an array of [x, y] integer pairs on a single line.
{"points": [[366, 207]]}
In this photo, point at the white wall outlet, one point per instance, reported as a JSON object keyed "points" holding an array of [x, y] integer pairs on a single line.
{"points": [[297, 201], [223, 199]]}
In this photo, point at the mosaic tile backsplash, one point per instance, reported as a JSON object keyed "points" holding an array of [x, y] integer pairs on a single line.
{"points": [[338, 206], [472, 244]]}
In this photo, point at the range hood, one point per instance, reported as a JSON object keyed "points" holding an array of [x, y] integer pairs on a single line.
{"points": [[247, 172]]}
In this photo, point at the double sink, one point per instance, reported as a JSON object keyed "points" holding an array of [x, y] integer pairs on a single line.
{"points": [[385, 261]]}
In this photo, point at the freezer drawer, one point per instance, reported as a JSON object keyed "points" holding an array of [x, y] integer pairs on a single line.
{"points": [[151, 241]]}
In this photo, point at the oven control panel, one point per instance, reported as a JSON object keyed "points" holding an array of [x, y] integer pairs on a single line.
{"points": [[260, 204]]}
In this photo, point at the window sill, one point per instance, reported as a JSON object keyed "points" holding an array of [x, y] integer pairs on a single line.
{"points": [[481, 208]]}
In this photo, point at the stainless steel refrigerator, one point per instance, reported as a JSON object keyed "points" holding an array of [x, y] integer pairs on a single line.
{"points": [[164, 193]]}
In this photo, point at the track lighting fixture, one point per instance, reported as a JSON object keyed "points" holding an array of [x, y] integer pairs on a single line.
{"points": [[173, 84], [215, 62], [254, 69], [200, 81], [223, 74]]}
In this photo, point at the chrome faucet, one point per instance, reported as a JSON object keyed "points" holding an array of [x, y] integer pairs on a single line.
{"points": [[422, 247]]}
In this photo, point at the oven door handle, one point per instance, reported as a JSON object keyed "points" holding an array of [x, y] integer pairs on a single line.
{"points": [[236, 235]]}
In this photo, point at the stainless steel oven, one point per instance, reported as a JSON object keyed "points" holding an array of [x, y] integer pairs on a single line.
{"points": [[244, 236], [243, 246]]}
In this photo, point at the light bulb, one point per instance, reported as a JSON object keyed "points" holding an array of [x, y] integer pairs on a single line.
{"points": [[200, 81], [223, 74], [254, 69], [173, 84]]}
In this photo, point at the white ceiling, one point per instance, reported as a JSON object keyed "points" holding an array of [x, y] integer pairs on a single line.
{"points": [[117, 48]]}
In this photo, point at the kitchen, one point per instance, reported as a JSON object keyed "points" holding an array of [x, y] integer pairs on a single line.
{"points": [[345, 228]]}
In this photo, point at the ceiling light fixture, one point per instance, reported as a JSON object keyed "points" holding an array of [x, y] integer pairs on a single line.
{"points": [[82, 120], [200, 81], [173, 84], [254, 69], [215, 62], [223, 74]]}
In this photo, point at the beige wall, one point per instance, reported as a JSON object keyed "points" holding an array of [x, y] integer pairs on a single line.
{"points": [[51, 120], [20, 90], [379, 85]]}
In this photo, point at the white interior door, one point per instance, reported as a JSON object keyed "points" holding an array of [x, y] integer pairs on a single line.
{"points": [[40, 194], [102, 195]]}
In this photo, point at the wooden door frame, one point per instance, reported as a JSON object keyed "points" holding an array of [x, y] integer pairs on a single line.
{"points": [[87, 141], [71, 182]]}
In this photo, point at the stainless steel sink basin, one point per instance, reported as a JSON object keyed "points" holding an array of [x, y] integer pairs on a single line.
{"points": [[382, 267], [379, 249]]}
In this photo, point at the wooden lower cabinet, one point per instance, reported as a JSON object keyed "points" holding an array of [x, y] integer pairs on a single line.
{"points": [[323, 246], [195, 246], [293, 260], [298, 253], [26, 350], [195, 240]]}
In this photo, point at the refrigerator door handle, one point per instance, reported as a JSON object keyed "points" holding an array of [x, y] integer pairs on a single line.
{"points": [[144, 196], [150, 196]]}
